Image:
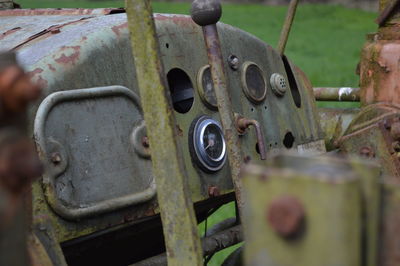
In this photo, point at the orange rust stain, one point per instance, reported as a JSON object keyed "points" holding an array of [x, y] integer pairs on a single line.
{"points": [[32, 73], [69, 59], [117, 29]]}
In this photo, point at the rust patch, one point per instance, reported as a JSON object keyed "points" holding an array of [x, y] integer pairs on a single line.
{"points": [[32, 73], [117, 29], [9, 32], [69, 59]]}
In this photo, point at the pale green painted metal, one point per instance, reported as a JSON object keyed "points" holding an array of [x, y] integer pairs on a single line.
{"points": [[331, 196], [179, 223]]}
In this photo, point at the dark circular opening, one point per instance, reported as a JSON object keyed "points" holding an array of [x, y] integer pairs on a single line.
{"points": [[288, 140], [167, 45], [252, 109], [181, 89]]}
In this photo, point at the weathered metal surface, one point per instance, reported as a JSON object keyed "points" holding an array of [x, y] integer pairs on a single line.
{"points": [[317, 199], [61, 12], [343, 94], [84, 138], [176, 208], [6, 4], [224, 103], [291, 12], [334, 122]]}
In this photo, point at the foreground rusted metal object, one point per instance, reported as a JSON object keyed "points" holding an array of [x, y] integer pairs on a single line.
{"points": [[176, 208], [206, 13], [19, 162]]}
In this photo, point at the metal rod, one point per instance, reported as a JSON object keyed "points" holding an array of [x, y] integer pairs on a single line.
{"points": [[287, 26], [344, 94], [211, 244], [243, 123], [176, 207], [207, 13]]}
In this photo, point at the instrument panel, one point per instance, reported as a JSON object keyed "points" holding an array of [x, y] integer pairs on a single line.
{"points": [[106, 157]]}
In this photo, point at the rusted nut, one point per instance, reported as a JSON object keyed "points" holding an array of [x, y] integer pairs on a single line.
{"points": [[145, 142], [367, 152], [395, 130], [213, 191], [55, 158], [286, 216]]}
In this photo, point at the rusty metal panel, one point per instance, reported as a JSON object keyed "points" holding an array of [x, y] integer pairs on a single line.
{"points": [[299, 205], [84, 137]]}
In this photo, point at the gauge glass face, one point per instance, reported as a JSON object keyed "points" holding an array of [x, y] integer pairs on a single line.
{"points": [[207, 88], [255, 86], [213, 142], [207, 144]]}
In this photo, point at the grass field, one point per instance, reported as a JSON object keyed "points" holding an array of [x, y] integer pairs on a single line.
{"points": [[325, 42]]}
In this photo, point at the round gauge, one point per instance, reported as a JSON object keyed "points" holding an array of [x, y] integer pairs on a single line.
{"points": [[206, 87], [253, 82], [207, 144]]}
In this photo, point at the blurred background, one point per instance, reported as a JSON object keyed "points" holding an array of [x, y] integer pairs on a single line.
{"points": [[325, 41]]}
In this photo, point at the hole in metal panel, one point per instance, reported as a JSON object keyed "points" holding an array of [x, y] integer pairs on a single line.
{"points": [[181, 89], [292, 83], [288, 140]]}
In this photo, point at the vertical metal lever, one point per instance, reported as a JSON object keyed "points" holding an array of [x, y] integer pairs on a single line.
{"points": [[206, 13]]}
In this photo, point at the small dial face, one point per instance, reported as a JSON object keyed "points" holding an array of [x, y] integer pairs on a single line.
{"points": [[253, 82], [206, 87], [213, 142], [207, 144]]}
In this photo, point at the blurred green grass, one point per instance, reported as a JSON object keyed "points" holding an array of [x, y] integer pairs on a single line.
{"points": [[325, 42]]}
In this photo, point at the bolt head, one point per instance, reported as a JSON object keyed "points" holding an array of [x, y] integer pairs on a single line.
{"points": [[286, 216], [213, 191], [145, 142], [56, 158], [233, 62], [206, 12]]}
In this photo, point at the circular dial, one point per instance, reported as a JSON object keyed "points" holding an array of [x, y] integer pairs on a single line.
{"points": [[207, 144], [206, 87], [253, 82]]}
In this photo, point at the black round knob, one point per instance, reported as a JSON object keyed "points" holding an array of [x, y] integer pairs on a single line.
{"points": [[206, 12]]}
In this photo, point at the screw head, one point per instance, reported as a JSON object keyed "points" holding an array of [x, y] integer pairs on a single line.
{"points": [[278, 84], [213, 191], [286, 216], [233, 62], [206, 12], [55, 158]]}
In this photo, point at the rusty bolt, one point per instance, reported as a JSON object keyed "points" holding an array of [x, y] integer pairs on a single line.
{"points": [[213, 191], [367, 152], [145, 142], [286, 216], [56, 158], [395, 130]]}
